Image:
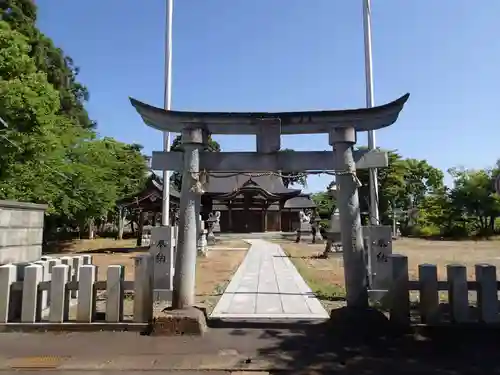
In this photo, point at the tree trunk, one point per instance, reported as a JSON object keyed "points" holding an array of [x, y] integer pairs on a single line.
{"points": [[121, 222], [91, 228], [141, 228]]}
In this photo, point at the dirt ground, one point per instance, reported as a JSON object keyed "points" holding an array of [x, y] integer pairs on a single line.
{"points": [[212, 272], [418, 251], [216, 263], [326, 276], [442, 253], [78, 246]]}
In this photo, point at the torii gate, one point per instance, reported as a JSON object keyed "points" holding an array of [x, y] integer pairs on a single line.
{"points": [[340, 125]]}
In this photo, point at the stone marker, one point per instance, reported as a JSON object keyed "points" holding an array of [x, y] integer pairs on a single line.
{"points": [[379, 248], [162, 251]]}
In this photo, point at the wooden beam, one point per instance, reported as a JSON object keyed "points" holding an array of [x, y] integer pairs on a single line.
{"points": [[254, 162]]}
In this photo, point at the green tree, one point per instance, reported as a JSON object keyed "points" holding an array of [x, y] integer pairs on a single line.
{"points": [[474, 196], [325, 204], [293, 177], [36, 135], [176, 177], [44, 157], [61, 72], [402, 185], [104, 171]]}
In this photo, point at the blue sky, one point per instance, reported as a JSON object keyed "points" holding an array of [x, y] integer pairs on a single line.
{"points": [[286, 55]]}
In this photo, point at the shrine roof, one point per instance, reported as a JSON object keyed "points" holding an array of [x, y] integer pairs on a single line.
{"points": [[305, 122], [227, 182], [302, 201], [152, 191]]}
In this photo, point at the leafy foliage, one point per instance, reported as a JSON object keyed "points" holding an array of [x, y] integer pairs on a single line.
{"points": [[471, 207], [325, 204], [293, 177], [176, 177], [49, 151], [60, 69]]}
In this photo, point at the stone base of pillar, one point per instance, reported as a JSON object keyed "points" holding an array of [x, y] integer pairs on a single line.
{"points": [[185, 322], [350, 323]]}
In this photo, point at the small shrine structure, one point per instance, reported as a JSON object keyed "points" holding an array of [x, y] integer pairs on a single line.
{"points": [[146, 204]]}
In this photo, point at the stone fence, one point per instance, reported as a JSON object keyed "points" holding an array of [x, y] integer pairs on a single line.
{"points": [[21, 231], [54, 292], [468, 301]]}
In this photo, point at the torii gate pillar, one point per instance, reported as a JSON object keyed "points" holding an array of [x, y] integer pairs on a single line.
{"points": [[194, 140], [342, 140]]}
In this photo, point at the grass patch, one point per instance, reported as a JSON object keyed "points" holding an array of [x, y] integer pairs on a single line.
{"points": [[321, 288], [324, 276]]}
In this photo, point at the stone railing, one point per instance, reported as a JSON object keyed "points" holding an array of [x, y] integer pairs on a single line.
{"points": [[430, 309], [61, 292]]}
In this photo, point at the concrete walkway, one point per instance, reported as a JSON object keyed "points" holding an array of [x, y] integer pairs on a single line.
{"points": [[268, 286]]}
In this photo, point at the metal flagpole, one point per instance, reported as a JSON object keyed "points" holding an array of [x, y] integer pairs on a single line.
{"points": [[165, 214], [374, 214]]}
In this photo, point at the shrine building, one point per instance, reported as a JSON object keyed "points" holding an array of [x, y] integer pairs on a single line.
{"points": [[247, 204]]}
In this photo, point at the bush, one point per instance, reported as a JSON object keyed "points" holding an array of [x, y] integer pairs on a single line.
{"points": [[324, 224], [429, 231], [424, 231]]}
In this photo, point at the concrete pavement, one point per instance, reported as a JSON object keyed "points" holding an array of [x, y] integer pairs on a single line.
{"points": [[220, 351], [136, 372], [325, 348], [268, 286]]}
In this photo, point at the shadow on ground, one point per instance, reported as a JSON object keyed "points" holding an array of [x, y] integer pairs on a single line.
{"points": [[365, 343], [56, 247], [116, 250], [62, 248], [313, 256]]}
